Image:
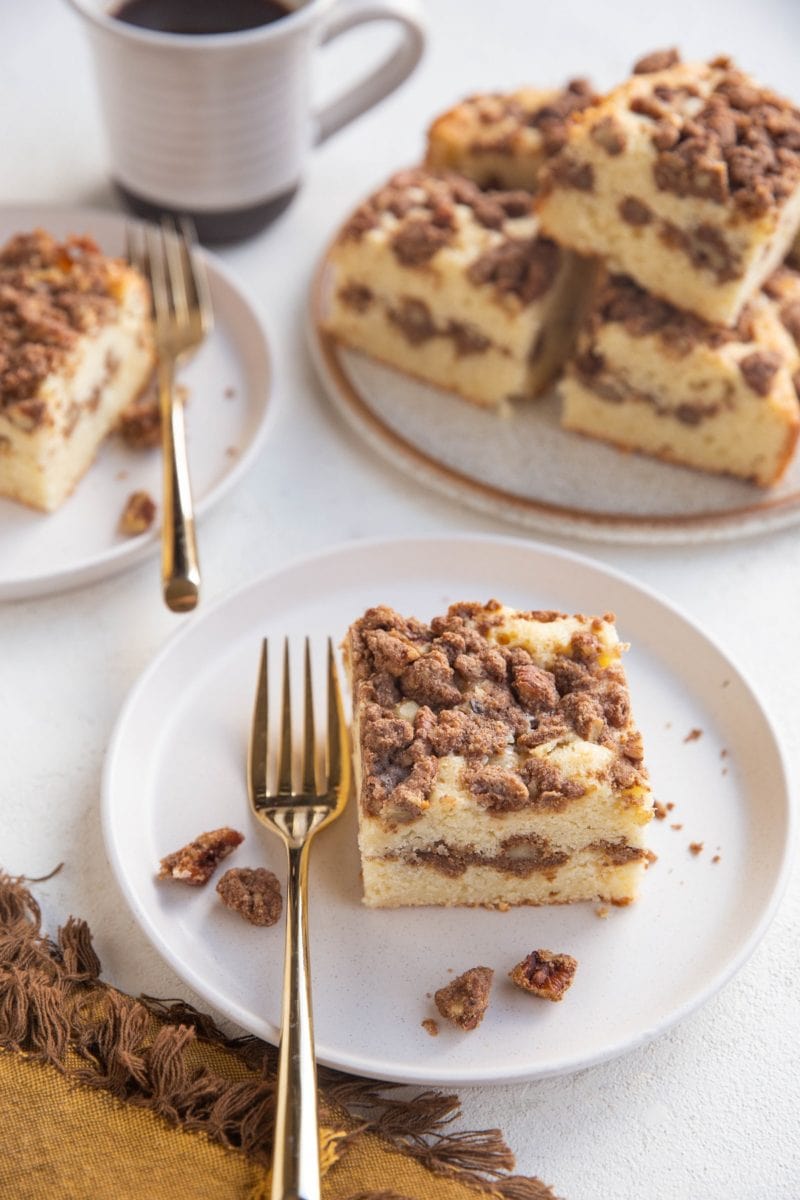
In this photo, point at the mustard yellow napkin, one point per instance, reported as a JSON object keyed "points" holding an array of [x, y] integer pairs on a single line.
{"points": [[106, 1096]]}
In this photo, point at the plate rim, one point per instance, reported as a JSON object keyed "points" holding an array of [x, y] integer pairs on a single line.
{"points": [[416, 1075], [125, 555], [747, 521]]}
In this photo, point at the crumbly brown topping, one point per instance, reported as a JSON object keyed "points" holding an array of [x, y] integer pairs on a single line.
{"points": [[415, 321], [356, 296], [571, 172], [465, 1000], [634, 212], [741, 144], [255, 893], [425, 207], [197, 861], [658, 60], [759, 369], [476, 698], [139, 424], [545, 974], [620, 299], [609, 134], [502, 117], [138, 514], [50, 294]]}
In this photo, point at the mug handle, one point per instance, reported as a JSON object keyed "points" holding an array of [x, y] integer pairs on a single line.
{"points": [[385, 77]]}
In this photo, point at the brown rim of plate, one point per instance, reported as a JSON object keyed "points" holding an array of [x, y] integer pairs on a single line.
{"points": [[452, 480]]}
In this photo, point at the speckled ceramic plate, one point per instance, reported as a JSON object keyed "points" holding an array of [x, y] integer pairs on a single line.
{"points": [[227, 418], [176, 766], [526, 469]]}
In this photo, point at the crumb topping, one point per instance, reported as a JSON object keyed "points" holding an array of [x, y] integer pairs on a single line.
{"points": [[465, 1000], [255, 893], [51, 293], [546, 974], [429, 691], [499, 120], [419, 211], [138, 514], [197, 861]]}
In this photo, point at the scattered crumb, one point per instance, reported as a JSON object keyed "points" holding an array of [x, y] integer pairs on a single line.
{"points": [[255, 893], [659, 810], [231, 451], [716, 858], [197, 861], [497, 906], [622, 903], [545, 974], [465, 1000], [650, 858], [229, 393], [696, 848], [677, 825], [668, 725], [139, 425], [723, 753], [121, 475], [724, 771], [429, 995], [670, 806], [693, 735], [602, 912], [138, 514], [726, 683], [430, 1026]]}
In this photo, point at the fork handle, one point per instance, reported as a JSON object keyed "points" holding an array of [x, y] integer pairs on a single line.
{"points": [[295, 1154], [180, 573]]}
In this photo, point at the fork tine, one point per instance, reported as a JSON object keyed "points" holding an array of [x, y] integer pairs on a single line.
{"points": [[259, 731], [157, 274], [196, 273], [285, 758], [176, 270], [335, 721], [309, 739]]}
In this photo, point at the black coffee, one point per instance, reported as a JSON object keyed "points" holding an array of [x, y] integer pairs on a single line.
{"points": [[200, 16]]}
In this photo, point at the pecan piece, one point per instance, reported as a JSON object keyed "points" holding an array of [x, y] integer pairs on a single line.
{"points": [[255, 893], [545, 974], [465, 1000], [197, 861]]}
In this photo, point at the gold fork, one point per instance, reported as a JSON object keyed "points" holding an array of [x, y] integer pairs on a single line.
{"points": [[182, 319], [297, 817]]}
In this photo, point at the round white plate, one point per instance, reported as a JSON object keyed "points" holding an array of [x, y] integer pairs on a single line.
{"points": [[526, 469], [176, 767], [227, 417]]}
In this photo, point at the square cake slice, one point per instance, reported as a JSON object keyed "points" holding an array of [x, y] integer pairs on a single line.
{"points": [[649, 377], [455, 286], [686, 178], [496, 758], [501, 139], [76, 347]]}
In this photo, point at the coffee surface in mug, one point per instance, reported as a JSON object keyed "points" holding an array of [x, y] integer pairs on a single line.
{"points": [[200, 17]]}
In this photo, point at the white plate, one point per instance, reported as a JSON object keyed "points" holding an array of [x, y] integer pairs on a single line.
{"points": [[526, 469], [227, 418], [176, 766]]}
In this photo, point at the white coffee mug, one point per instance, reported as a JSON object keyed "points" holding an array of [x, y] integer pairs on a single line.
{"points": [[219, 125]]}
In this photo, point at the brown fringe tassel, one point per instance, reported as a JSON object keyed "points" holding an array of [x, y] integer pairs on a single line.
{"points": [[52, 1002]]}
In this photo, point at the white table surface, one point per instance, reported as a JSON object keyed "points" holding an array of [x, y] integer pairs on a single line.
{"points": [[709, 1111]]}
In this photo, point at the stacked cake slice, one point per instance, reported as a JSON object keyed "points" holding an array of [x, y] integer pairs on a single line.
{"points": [[497, 759], [455, 286]]}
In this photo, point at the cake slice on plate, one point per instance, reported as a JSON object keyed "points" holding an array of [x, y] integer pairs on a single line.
{"points": [[686, 178], [501, 139], [497, 759], [76, 347], [649, 377], [456, 287]]}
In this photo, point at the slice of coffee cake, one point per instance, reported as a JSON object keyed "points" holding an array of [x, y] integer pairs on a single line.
{"points": [[649, 377], [496, 758], [687, 178], [456, 287], [501, 139], [75, 348]]}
